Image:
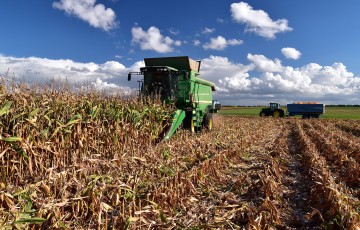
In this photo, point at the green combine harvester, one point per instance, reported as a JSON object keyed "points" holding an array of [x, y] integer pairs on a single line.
{"points": [[176, 81]]}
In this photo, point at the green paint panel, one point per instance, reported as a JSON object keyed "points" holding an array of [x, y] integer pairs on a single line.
{"points": [[178, 118]]}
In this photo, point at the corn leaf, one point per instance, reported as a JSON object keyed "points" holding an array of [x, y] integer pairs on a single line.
{"points": [[34, 112], [11, 139], [30, 220], [75, 119], [6, 108]]}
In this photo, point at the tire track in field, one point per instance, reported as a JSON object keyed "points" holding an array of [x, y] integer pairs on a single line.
{"points": [[188, 184], [296, 186], [349, 128], [186, 180], [332, 203], [341, 164], [344, 140]]}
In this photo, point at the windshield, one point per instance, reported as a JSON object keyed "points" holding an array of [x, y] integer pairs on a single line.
{"points": [[274, 105], [160, 83]]}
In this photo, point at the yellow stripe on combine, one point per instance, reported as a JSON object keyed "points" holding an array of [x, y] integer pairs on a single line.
{"points": [[204, 101]]}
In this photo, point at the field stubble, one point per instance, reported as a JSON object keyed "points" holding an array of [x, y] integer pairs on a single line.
{"points": [[84, 161]]}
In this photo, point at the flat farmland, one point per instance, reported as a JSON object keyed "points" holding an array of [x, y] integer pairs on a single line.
{"points": [[347, 112], [90, 162]]}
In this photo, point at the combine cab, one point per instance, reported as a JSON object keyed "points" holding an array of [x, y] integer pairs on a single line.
{"points": [[176, 81], [274, 110]]}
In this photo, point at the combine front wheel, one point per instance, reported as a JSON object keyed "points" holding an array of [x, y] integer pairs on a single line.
{"points": [[192, 126], [208, 122]]}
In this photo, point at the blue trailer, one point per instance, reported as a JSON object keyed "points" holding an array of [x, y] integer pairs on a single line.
{"points": [[306, 110]]}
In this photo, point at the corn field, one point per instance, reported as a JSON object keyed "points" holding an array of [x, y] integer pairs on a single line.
{"points": [[89, 161]]}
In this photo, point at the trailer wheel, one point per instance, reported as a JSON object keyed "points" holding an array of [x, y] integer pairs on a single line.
{"points": [[208, 122]]}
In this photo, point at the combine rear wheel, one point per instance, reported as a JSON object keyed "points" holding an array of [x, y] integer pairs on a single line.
{"points": [[208, 122], [262, 114]]}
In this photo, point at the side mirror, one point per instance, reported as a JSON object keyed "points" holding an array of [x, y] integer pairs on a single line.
{"points": [[129, 77]]}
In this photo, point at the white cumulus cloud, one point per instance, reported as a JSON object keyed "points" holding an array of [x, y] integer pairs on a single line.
{"points": [[39, 70], [109, 88], [258, 21], [291, 53], [217, 68], [257, 82], [220, 43], [239, 84], [153, 40], [208, 31], [87, 10], [173, 31], [263, 64], [196, 42]]}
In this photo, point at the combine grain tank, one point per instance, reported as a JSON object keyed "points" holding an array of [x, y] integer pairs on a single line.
{"points": [[306, 110], [176, 81]]}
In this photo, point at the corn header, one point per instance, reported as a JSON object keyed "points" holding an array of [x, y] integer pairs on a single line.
{"points": [[176, 81]]}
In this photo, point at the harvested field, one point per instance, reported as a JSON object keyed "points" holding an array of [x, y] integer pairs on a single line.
{"points": [[86, 162]]}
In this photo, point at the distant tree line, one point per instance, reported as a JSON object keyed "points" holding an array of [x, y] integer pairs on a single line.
{"points": [[342, 105]]}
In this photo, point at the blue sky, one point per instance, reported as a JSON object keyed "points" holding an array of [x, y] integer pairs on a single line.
{"points": [[254, 51]]}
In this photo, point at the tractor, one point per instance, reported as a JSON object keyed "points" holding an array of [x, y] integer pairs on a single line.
{"points": [[273, 110], [176, 81]]}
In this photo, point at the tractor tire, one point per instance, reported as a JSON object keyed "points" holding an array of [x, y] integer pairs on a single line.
{"points": [[282, 113], [208, 122], [262, 114], [276, 113]]}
